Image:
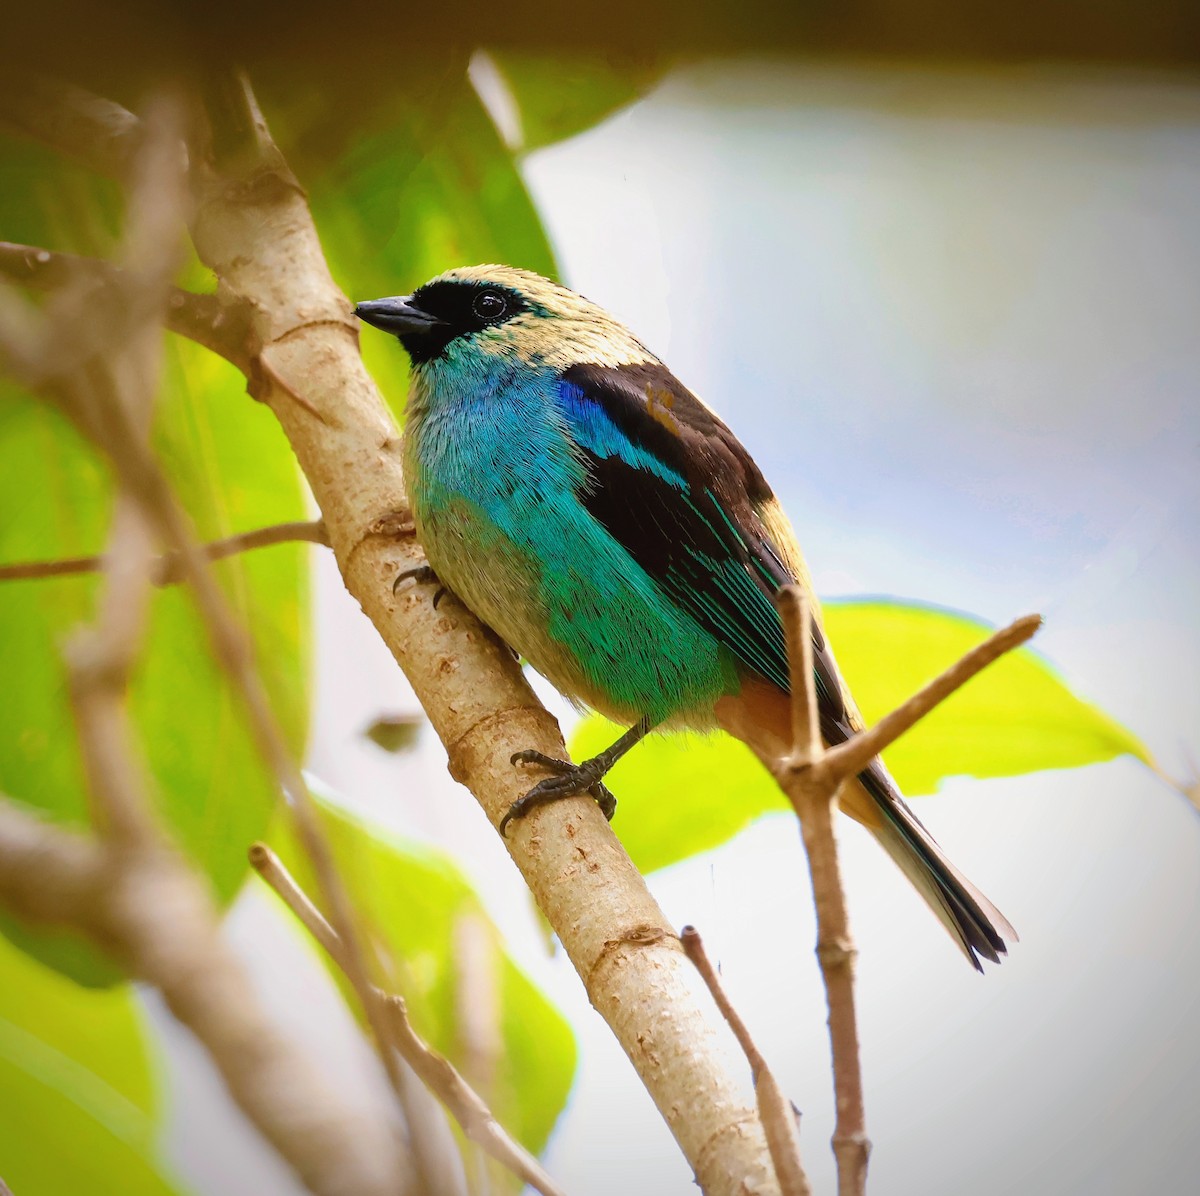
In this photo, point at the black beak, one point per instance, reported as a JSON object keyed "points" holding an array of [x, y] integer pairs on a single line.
{"points": [[398, 315]]}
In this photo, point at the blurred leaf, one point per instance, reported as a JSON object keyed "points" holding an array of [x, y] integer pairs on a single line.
{"points": [[1016, 717], [416, 904], [557, 96], [395, 732], [233, 470], [76, 1086]]}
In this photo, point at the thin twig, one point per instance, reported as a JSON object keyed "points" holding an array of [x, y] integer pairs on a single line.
{"points": [[807, 748], [437, 1072], [99, 662], [811, 775], [1190, 789], [437, 1175], [812, 790], [166, 570], [477, 999], [774, 1109], [220, 324], [856, 753]]}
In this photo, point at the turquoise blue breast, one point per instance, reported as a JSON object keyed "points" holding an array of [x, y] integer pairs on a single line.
{"points": [[494, 481]]}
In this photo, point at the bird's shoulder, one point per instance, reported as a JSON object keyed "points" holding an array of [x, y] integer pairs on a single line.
{"points": [[644, 405]]}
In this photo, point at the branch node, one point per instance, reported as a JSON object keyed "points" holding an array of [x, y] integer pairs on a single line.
{"points": [[837, 953]]}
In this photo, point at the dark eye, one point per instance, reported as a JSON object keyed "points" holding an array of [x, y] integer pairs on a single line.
{"points": [[489, 305]]}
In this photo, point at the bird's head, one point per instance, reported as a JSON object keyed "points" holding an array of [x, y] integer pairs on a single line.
{"points": [[506, 312]]}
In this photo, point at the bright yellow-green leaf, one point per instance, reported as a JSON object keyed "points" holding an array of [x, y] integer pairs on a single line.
{"points": [[1017, 716], [443, 955], [76, 1087], [681, 794], [232, 469], [678, 795]]}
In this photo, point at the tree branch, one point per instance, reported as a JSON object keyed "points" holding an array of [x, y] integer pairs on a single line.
{"points": [[252, 227], [774, 1109], [167, 570], [811, 776], [850, 758], [217, 323], [254, 230], [436, 1072], [813, 793], [147, 910]]}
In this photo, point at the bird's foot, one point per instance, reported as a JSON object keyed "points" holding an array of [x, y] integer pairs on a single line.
{"points": [[421, 575], [569, 780]]}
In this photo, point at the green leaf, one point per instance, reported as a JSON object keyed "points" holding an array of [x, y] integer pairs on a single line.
{"points": [[1017, 716], [233, 470], [423, 913], [76, 1086], [559, 95], [681, 794]]}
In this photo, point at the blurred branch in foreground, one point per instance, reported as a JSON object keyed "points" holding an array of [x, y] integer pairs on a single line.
{"points": [[126, 888], [440, 1076], [167, 570]]}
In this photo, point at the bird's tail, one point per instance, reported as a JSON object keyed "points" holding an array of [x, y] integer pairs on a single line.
{"points": [[973, 921], [760, 717]]}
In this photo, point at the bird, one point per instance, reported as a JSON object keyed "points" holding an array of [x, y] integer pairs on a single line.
{"points": [[602, 520]]}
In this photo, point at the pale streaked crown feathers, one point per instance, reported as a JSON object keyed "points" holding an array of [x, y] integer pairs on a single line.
{"points": [[560, 329]]}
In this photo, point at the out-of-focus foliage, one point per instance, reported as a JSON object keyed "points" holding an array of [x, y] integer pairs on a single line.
{"points": [[77, 1087], [681, 794], [557, 97], [135, 37], [465, 995], [232, 469]]}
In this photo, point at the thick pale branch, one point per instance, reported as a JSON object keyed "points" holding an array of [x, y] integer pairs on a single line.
{"points": [[436, 1072], [774, 1109], [166, 570], [255, 232]]}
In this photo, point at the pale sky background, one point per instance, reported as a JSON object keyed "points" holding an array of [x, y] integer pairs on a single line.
{"points": [[955, 317]]}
